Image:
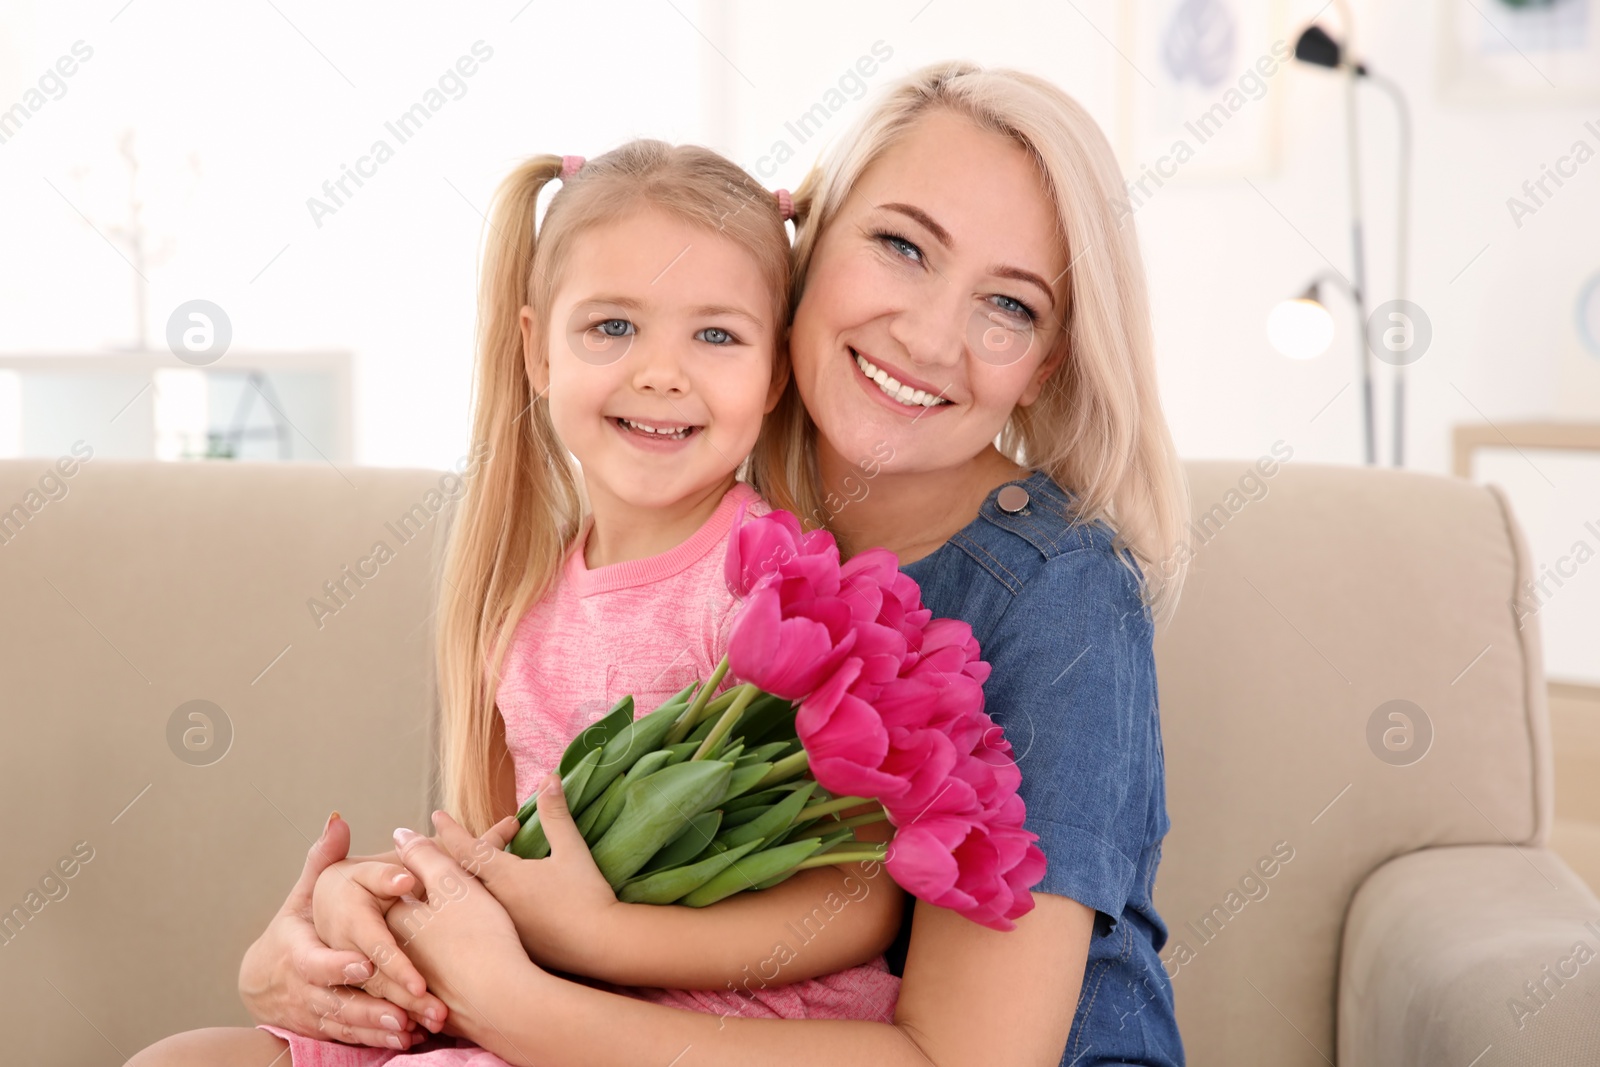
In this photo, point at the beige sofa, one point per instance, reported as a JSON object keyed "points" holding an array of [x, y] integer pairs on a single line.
{"points": [[1326, 905]]}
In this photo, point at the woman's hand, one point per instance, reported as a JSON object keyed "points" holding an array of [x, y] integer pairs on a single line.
{"points": [[289, 978], [463, 943], [562, 906], [347, 910]]}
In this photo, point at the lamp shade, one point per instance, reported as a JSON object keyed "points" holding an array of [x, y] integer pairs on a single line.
{"points": [[1316, 47], [1300, 329]]}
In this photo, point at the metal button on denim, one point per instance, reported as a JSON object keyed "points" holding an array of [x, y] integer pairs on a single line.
{"points": [[1012, 499]]}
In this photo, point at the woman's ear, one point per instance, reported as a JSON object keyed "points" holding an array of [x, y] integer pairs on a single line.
{"points": [[538, 368], [1036, 382]]}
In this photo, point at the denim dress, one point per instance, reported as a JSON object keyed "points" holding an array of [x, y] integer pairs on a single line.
{"points": [[1074, 687]]}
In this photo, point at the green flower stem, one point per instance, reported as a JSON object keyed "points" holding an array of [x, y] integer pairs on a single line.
{"points": [[687, 720], [826, 859], [717, 706], [828, 807], [863, 820], [747, 693], [787, 767]]}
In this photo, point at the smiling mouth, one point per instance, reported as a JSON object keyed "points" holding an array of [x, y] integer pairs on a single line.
{"points": [[896, 390], [656, 431]]}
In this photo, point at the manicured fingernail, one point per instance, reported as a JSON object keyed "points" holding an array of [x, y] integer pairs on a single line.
{"points": [[332, 815], [404, 837], [396, 1041], [397, 879], [358, 972], [389, 1022], [551, 783]]}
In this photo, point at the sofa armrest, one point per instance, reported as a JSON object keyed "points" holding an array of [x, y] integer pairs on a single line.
{"points": [[1449, 952]]}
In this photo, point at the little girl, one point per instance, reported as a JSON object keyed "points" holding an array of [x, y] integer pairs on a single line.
{"points": [[638, 331]]}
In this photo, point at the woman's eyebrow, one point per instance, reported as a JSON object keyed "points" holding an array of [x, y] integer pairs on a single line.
{"points": [[1018, 274], [942, 235], [924, 219]]}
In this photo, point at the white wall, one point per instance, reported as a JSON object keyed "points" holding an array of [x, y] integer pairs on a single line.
{"points": [[268, 108]]}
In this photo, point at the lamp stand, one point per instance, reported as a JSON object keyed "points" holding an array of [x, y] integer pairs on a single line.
{"points": [[1358, 283]]}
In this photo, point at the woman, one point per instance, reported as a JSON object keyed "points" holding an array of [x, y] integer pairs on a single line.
{"points": [[962, 279]]}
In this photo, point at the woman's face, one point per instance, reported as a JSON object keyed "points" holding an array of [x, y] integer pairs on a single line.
{"points": [[931, 301]]}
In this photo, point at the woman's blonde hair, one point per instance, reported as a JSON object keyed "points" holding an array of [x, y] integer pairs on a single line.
{"points": [[1097, 428], [522, 508]]}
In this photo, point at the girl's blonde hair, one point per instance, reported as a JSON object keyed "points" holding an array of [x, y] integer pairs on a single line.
{"points": [[1097, 428], [522, 509]]}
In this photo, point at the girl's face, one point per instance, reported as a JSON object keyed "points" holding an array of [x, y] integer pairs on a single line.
{"points": [[658, 361], [931, 301]]}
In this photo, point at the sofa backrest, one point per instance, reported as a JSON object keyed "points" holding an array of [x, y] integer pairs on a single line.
{"points": [[1319, 595], [127, 591]]}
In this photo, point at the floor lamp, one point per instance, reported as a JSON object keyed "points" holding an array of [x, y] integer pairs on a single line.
{"points": [[1296, 326]]}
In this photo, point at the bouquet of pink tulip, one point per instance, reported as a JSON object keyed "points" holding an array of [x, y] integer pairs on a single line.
{"points": [[850, 694]]}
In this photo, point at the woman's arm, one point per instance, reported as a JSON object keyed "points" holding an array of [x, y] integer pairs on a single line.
{"points": [[971, 995], [569, 918]]}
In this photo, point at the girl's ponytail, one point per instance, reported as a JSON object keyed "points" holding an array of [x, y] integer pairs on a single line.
{"points": [[518, 514]]}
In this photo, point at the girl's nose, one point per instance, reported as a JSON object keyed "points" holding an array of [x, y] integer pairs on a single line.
{"points": [[658, 368]]}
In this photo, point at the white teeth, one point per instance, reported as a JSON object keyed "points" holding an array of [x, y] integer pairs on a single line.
{"points": [[675, 435], [896, 390]]}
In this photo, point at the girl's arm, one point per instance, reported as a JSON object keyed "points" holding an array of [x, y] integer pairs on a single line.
{"points": [[569, 919], [970, 995]]}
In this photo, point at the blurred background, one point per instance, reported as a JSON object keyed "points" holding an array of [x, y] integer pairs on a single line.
{"points": [[311, 184]]}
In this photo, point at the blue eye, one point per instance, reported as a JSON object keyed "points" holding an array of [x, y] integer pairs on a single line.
{"points": [[715, 335], [614, 327], [900, 245], [1013, 306]]}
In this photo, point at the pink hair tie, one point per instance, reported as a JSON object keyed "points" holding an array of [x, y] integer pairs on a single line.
{"points": [[570, 165], [785, 204]]}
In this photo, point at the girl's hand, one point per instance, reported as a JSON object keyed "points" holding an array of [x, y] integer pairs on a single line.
{"points": [[347, 910], [462, 941], [562, 905], [289, 978]]}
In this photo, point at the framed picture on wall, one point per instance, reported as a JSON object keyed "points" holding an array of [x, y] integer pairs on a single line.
{"points": [[1199, 96], [1519, 51]]}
